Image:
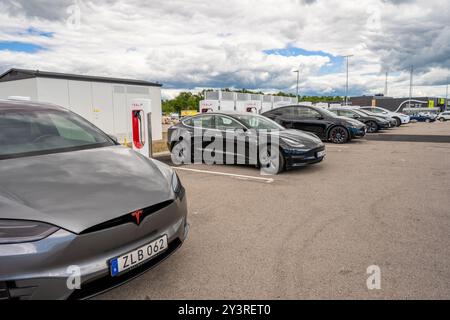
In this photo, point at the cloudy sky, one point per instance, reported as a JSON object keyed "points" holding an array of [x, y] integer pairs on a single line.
{"points": [[253, 44]]}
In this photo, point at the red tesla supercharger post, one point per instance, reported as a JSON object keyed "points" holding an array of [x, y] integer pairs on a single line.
{"points": [[141, 129]]}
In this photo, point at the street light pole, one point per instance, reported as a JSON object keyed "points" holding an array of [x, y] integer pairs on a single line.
{"points": [[346, 85], [410, 86], [446, 97], [298, 79], [386, 85]]}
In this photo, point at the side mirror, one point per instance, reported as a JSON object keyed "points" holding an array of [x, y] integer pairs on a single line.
{"points": [[356, 116]]}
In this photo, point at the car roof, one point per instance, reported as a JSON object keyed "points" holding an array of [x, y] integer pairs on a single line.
{"points": [[10, 104], [343, 108], [228, 113], [295, 105]]}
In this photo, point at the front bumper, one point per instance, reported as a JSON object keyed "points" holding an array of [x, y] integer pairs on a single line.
{"points": [[405, 120], [385, 125], [358, 132], [298, 158], [40, 270]]}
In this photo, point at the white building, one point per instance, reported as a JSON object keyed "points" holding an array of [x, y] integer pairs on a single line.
{"points": [[103, 101], [243, 102]]}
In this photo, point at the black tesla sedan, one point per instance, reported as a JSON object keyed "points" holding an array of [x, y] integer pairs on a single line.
{"points": [[323, 123], [242, 138], [373, 123], [392, 122]]}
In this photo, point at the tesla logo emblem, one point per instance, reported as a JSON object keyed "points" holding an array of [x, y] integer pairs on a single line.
{"points": [[137, 215]]}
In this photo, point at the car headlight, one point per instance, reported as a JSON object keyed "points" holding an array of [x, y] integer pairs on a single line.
{"points": [[176, 185], [19, 231], [170, 175], [293, 143]]}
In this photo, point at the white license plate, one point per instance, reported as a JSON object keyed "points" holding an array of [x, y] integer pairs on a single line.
{"points": [[321, 154], [138, 256]]}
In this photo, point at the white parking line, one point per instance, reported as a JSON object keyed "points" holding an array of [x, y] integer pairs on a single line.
{"points": [[239, 176]]}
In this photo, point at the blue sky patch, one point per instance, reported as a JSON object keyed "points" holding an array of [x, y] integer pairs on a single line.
{"points": [[293, 52], [335, 65], [36, 32], [18, 46]]}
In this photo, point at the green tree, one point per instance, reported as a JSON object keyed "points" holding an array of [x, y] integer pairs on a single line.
{"points": [[184, 101]]}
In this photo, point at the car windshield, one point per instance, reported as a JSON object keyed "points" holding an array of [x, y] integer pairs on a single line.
{"points": [[367, 113], [359, 112], [328, 113], [36, 132], [258, 122]]}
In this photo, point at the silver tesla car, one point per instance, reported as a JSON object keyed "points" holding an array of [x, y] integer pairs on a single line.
{"points": [[79, 214]]}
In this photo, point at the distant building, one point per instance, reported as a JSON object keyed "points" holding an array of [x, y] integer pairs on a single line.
{"points": [[418, 104]]}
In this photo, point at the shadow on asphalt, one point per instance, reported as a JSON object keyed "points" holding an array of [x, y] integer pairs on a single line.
{"points": [[409, 138]]}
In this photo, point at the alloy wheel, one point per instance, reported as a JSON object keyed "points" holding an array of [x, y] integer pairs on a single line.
{"points": [[270, 161], [372, 127], [338, 135], [180, 153]]}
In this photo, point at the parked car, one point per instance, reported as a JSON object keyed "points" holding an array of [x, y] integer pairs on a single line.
{"points": [[75, 203], [240, 134], [444, 116], [373, 123], [423, 117], [323, 123], [399, 117], [392, 121]]}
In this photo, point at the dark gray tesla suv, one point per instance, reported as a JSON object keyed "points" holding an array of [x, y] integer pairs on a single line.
{"points": [[79, 214]]}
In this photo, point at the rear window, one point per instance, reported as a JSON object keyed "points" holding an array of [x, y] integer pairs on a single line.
{"points": [[28, 133]]}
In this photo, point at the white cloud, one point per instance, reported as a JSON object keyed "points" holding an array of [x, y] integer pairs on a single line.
{"points": [[187, 44]]}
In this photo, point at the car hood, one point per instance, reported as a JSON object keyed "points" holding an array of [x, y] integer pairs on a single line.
{"points": [[308, 139], [78, 190], [401, 115], [351, 122], [379, 119]]}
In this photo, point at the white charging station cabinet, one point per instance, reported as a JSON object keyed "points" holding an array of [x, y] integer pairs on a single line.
{"points": [[140, 126]]}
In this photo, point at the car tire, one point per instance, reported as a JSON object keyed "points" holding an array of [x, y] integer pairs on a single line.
{"points": [[399, 122], [338, 135], [268, 163], [180, 152], [441, 119], [372, 127]]}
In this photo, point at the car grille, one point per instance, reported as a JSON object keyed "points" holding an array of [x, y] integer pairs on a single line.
{"points": [[128, 218], [108, 282]]}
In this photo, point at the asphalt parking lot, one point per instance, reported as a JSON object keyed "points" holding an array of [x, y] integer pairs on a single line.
{"points": [[312, 232]]}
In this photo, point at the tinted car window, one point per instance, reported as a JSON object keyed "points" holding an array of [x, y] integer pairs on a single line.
{"points": [[188, 122], [206, 122], [258, 122], [226, 123], [346, 113], [289, 111], [26, 133], [274, 113], [307, 113]]}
